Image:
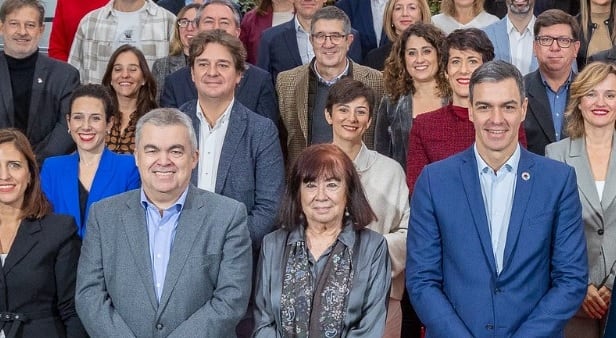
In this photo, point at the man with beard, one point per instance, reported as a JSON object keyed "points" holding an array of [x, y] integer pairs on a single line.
{"points": [[513, 36]]}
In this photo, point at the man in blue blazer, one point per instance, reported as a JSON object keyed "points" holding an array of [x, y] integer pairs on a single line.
{"points": [[495, 244], [362, 15], [255, 90], [518, 22], [167, 260]]}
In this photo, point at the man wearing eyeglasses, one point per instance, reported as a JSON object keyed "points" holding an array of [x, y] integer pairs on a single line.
{"points": [[302, 91], [556, 46]]}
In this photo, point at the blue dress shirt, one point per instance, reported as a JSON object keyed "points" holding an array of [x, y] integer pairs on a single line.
{"points": [[558, 104]]}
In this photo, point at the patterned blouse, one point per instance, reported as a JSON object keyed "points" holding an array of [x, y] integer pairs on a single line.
{"points": [[122, 142]]}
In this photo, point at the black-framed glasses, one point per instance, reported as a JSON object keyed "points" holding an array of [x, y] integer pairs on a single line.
{"points": [[185, 22], [335, 38], [547, 41]]}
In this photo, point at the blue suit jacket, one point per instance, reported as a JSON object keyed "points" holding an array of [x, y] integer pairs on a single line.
{"points": [[451, 271], [278, 50], [497, 32], [59, 179], [251, 167], [255, 91], [360, 14]]}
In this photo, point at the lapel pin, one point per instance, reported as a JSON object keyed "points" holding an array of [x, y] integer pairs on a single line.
{"points": [[39, 80], [526, 176]]}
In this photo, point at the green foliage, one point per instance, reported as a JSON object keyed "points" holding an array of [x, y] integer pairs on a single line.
{"points": [[435, 6]]}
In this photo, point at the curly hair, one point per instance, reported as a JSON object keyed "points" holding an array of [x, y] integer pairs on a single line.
{"points": [[397, 80]]}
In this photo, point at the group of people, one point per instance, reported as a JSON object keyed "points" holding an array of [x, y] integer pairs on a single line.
{"points": [[214, 196]]}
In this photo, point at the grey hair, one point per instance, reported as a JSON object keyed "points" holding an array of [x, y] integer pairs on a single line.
{"points": [[496, 71], [331, 13], [162, 117], [231, 5]]}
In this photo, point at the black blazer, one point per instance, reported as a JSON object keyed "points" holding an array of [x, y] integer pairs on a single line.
{"points": [[39, 275], [172, 6], [608, 56]]}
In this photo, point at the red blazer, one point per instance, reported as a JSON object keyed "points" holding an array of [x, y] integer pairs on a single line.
{"points": [[253, 24]]}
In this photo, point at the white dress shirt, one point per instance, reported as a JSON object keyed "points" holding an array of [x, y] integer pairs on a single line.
{"points": [[521, 45]]}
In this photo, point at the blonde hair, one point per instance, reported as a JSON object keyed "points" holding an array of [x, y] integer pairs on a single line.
{"points": [[448, 7], [388, 24], [593, 74], [175, 45]]}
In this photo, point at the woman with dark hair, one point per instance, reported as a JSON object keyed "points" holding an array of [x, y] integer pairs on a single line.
{"points": [[457, 14], [398, 16], [414, 83], [590, 149], [185, 29], [38, 251], [133, 89], [73, 182], [348, 110], [267, 14], [323, 270], [596, 20]]}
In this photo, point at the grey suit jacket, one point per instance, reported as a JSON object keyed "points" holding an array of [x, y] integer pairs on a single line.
{"points": [[251, 166], [52, 85], [599, 214], [165, 66], [205, 292]]}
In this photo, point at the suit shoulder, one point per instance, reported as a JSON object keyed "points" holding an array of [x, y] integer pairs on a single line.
{"points": [[56, 161], [178, 75], [115, 202], [189, 108], [549, 166], [58, 225], [367, 71], [216, 201], [291, 74], [559, 146], [256, 72], [272, 32]]}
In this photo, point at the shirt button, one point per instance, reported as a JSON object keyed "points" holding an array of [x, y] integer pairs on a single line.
{"points": [[490, 327], [159, 256], [159, 326], [158, 285], [600, 232]]}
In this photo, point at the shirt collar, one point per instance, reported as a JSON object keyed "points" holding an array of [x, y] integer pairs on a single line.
{"points": [[362, 160], [222, 119], [528, 28], [179, 204], [346, 236], [545, 82], [336, 78], [511, 165], [298, 27]]}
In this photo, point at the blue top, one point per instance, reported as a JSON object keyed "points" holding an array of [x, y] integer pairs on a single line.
{"points": [[60, 175], [558, 104]]}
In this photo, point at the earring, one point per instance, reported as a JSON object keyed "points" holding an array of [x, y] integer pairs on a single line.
{"points": [[346, 212], [69, 130]]}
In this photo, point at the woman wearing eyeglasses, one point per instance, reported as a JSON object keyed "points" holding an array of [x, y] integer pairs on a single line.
{"points": [[185, 29], [591, 118]]}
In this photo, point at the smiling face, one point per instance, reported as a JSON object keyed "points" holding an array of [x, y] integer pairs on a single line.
{"points": [[349, 120], [327, 53], [87, 124], [554, 58], [165, 158], [520, 7], [497, 111], [215, 74], [421, 59], [14, 176], [307, 8], [126, 75], [21, 32], [187, 33], [460, 66], [404, 14], [598, 106], [218, 16], [323, 201]]}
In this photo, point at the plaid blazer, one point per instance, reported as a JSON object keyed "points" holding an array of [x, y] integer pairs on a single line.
{"points": [[292, 88]]}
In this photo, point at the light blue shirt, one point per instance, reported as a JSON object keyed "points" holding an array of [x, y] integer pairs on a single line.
{"points": [[303, 43], [498, 189], [558, 103], [161, 232]]}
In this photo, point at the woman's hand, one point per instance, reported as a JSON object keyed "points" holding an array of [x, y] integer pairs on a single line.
{"points": [[596, 302]]}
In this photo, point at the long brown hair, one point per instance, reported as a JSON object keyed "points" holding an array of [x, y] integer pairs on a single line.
{"points": [[35, 205]]}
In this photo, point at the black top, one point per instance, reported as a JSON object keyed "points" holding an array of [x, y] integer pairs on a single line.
{"points": [[83, 201], [21, 72]]}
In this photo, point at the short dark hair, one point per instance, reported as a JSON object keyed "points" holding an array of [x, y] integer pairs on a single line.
{"points": [[553, 17], [496, 71], [35, 205], [324, 160], [237, 18], [219, 36], [331, 13], [346, 90], [469, 39], [94, 91], [9, 6]]}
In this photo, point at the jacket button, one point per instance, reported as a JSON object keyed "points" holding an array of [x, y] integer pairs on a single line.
{"points": [[159, 326], [600, 232], [490, 327]]}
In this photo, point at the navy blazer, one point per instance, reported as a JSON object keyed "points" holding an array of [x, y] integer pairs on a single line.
{"points": [[115, 174], [172, 6], [538, 124], [278, 50], [360, 14], [255, 91], [451, 271], [497, 32], [52, 86], [251, 166]]}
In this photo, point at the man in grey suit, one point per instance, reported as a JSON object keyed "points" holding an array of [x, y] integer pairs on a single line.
{"points": [[168, 260]]}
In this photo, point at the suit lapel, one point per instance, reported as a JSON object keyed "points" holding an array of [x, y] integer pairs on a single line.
{"points": [[235, 131], [134, 225], [6, 95], [189, 223], [609, 192], [102, 177], [290, 38], [302, 100], [472, 188], [26, 239], [578, 159], [38, 87], [523, 188], [538, 99]]}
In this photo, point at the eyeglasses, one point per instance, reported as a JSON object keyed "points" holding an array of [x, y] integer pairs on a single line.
{"points": [[183, 23], [335, 38], [547, 41]]}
